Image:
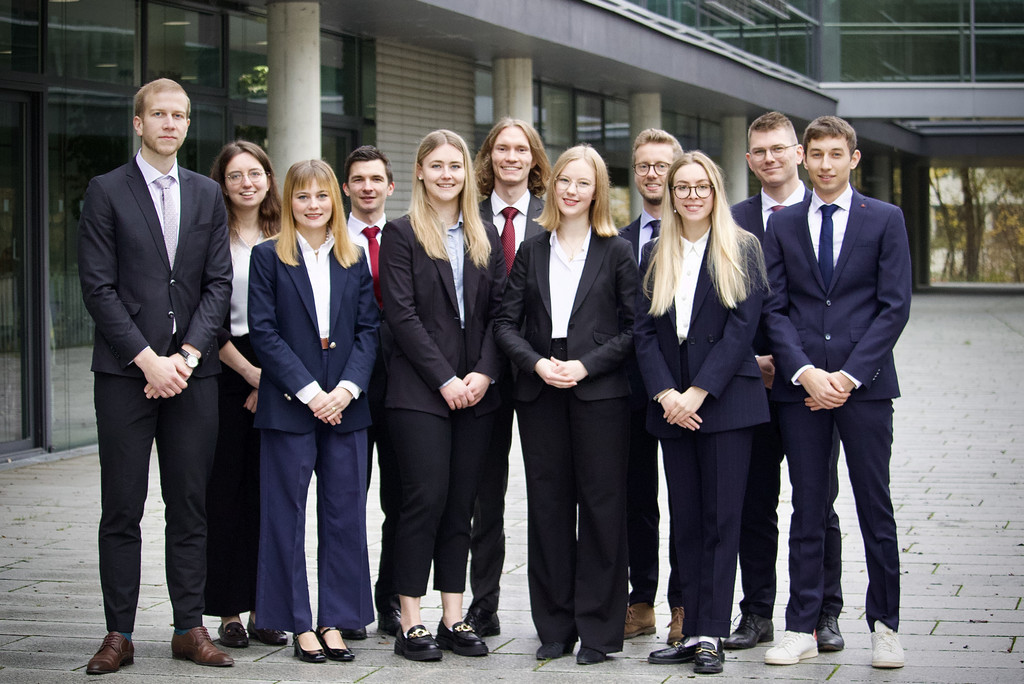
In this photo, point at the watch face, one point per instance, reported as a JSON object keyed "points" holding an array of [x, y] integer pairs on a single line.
{"points": [[191, 361]]}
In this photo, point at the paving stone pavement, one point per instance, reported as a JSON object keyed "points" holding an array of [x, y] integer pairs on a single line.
{"points": [[957, 484]]}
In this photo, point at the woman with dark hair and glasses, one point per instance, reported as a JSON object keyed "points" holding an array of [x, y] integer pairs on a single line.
{"points": [[703, 283], [251, 196]]}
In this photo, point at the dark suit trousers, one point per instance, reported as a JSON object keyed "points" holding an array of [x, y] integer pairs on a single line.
{"points": [[575, 454], [233, 498], [707, 475], [643, 517], [865, 428], [487, 539], [384, 596], [185, 430], [439, 460], [287, 463], [759, 530]]}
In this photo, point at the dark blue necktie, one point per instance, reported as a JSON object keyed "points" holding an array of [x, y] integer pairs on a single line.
{"points": [[655, 225], [825, 243]]}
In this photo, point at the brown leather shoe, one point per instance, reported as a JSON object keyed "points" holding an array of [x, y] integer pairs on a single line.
{"points": [[195, 645], [639, 620], [675, 625], [115, 652]]}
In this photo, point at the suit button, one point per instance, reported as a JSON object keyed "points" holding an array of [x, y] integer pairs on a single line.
{"points": [[288, 397], [173, 282], [332, 345], [170, 314], [711, 339], [691, 340], [827, 337], [828, 302]]}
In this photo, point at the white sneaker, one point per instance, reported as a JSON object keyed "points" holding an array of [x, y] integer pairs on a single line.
{"points": [[794, 647], [886, 650]]}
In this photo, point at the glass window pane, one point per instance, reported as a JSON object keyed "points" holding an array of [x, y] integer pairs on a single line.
{"points": [[205, 138], [556, 123], [183, 45], [588, 119], [19, 35], [247, 59], [92, 40], [618, 146], [339, 75]]}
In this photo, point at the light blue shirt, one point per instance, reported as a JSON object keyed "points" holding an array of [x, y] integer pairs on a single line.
{"points": [[455, 244]]}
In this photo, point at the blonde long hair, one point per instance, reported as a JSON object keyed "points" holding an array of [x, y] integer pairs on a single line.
{"points": [[305, 174], [427, 225], [600, 209], [730, 251]]}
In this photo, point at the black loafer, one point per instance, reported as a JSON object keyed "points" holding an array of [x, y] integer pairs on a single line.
{"points": [[460, 640], [356, 634], [417, 644], [829, 637], [554, 649], [233, 635], [674, 654], [341, 655], [752, 630], [709, 657], [590, 656], [484, 623], [305, 656], [270, 637], [390, 621]]}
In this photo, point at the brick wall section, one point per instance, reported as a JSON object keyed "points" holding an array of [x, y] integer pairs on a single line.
{"points": [[419, 91]]}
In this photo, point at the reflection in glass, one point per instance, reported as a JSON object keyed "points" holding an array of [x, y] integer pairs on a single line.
{"points": [[247, 59], [19, 35], [92, 40], [183, 45], [339, 75]]}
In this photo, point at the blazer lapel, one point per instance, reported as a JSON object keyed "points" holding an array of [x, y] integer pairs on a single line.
{"points": [[444, 270], [137, 186], [303, 287], [803, 236], [186, 212], [700, 294], [340, 279], [542, 266], [533, 213], [854, 224], [591, 267]]}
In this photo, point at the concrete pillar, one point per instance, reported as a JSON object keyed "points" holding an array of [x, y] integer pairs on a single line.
{"points": [[734, 160], [293, 82], [644, 112], [513, 88]]}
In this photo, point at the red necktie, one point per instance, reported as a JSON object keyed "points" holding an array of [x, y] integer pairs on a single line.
{"points": [[508, 237], [373, 246], [777, 207]]}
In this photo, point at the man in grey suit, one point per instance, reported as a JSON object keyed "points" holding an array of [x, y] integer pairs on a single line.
{"points": [[512, 169], [155, 270]]}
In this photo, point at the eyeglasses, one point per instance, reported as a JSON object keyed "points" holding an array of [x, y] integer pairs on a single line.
{"points": [[776, 150], [563, 183], [702, 191], [235, 178], [643, 168]]}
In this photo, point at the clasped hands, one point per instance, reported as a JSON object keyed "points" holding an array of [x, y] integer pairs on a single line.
{"points": [[166, 376], [681, 407], [464, 392], [560, 374], [328, 406], [826, 390]]}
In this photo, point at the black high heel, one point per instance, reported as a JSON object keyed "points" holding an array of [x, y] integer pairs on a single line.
{"points": [[342, 655], [305, 656]]}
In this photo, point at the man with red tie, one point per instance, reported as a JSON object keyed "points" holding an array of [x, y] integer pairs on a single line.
{"points": [[512, 169], [368, 183]]}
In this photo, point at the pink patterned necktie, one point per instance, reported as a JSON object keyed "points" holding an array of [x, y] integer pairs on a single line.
{"points": [[169, 209]]}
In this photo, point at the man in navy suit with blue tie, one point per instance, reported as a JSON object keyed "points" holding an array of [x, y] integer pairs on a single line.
{"points": [[839, 268], [774, 155]]}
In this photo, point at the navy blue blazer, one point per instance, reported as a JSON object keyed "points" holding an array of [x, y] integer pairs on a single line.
{"points": [[285, 335], [600, 325], [129, 287], [719, 355], [638, 398], [854, 324]]}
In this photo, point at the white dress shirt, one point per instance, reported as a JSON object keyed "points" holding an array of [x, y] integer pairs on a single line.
{"points": [[767, 203], [150, 174], [564, 279], [686, 288], [522, 206], [241, 254], [355, 233]]}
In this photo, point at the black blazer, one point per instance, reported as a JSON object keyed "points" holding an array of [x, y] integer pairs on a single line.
{"points": [[638, 399], [422, 314], [532, 214], [128, 285], [720, 358], [600, 325]]}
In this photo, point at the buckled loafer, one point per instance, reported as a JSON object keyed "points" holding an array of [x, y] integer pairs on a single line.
{"points": [[828, 635], [270, 637], [114, 652], [232, 635], [709, 657], [341, 655], [390, 621], [196, 645], [460, 639], [484, 623], [417, 644], [752, 630], [675, 654]]}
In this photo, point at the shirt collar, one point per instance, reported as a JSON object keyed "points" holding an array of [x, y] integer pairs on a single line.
{"points": [[355, 226], [843, 201], [150, 173], [307, 249], [522, 204], [699, 246], [797, 196], [645, 218]]}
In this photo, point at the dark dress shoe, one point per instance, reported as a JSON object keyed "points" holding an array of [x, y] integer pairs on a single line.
{"points": [[115, 652], [752, 630], [483, 622], [554, 649], [417, 644], [270, 637], [674, 654], [709, 657], [196, 645], [233, 635], [829, 638], [390, 621], [342, 655], [305, 656], [590, 656], [460, 640], [357, 634]]}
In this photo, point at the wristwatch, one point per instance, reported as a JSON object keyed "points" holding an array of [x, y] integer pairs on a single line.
{"points": [[191, 360]]}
